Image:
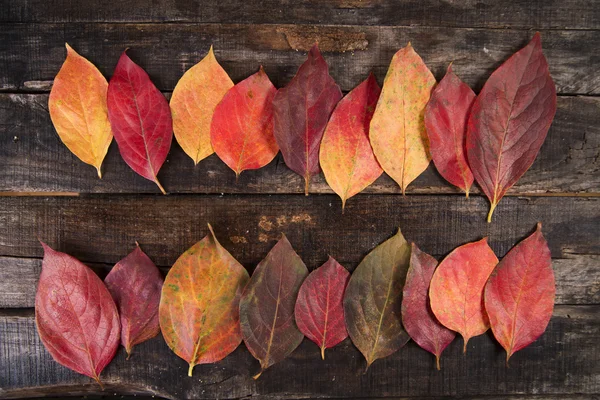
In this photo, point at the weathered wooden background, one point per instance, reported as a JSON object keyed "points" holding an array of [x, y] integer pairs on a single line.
{"points": [[51, 195]]}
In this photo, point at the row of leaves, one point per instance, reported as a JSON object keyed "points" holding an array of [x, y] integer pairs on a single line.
{"points": [[208, 303], [492, 138]]}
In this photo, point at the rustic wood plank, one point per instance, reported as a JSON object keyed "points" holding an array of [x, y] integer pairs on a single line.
{"points": [[563, 360], [33, 159], [536, 14], [31, 54]]}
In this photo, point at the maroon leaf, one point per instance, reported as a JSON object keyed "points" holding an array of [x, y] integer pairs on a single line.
{"points": [[140, 119], [135, 284], [417, 317], [76, 318], [319, 308], [300, 114], [509, 121]]}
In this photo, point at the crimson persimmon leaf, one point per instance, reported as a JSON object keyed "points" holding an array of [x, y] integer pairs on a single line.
{"points": [[76, 317], [446, 118], [267, 306], [417, 317], [509, 121], [456, 289], [242, 124], [199, 305], [519, 295], [300, 114], [319, 309], [135, 285], [140, 119]]}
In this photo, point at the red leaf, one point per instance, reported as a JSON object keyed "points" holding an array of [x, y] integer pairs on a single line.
{"points": [[242, 125], [301, 111], [509, 121], [319, 309], [76, 318], [446, 118], [140, 119], [135, 284], [417, 317], [519, 296]]}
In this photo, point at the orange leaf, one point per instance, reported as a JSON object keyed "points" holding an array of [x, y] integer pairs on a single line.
{"points": [[78, 110], [398, 133], [193, 103], [242, 125]]}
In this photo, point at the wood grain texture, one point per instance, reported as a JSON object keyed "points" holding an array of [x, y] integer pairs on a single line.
{"points": [[563, 360], [33, 159], [31, 54], [536, 14]]}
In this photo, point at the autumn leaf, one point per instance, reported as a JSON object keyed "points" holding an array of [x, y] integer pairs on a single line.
{"points": [[372, 303], [319, 309], [76, 318], [267, 306], [346, 156], [456, 289], [199, 306], [417, 317], [509, 121], [242, 124], [193, 104], [135, 285], [446, 118], [519, 295], [397, 133], [300, 114], [140, 119], [78, 110]]}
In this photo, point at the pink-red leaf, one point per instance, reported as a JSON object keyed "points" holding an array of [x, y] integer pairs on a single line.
{"points": [[446, 118], [319, 309], [346, 155], [509, 121], [301, 111], [519, 296], [135, 284], [76, 318], [242, 125], [140, 119]]}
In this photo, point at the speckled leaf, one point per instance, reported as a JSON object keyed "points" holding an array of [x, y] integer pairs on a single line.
{"points": [[417, 317], [267, 306], [456, 289], [199, 306], [372, 303], [76, 318], [301, 111], [446, 118], [242, 125], [193, 104], [509, 121], [135, 285], [519, 296], [78, 110], [319, 309], [346, 156], [397, 133]]}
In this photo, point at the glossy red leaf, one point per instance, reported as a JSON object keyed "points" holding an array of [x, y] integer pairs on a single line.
{"points": [[135, 284], [319, 309], [509, 121], [417, 317], [446, 117], [301, 111], [76, 318], [519, 296], [267, 306], [140, 119]]}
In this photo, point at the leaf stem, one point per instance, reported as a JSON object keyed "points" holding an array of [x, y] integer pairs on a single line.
{"points": [[492, 208], [162, 189], [190, 369]]}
